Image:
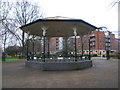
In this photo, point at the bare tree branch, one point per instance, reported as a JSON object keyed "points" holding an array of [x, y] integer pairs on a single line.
{"points": [[14, 15]]}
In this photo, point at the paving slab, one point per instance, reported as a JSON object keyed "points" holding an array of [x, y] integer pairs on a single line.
{"points": [[103, 74]]}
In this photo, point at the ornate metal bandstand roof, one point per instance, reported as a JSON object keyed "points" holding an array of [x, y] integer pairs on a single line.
{"points": [[58, 27]]}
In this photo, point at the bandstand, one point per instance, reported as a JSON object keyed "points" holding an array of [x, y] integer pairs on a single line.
{"points": [[58, 28]]}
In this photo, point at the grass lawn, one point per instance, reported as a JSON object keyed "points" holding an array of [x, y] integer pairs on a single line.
{"points": [[12, 57]]}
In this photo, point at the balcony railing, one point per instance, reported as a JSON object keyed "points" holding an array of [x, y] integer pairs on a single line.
{"points": [[107, 48], [92, 44], [92, 35], [108, 45], [92, 39], [107, 36], [108, 41]]}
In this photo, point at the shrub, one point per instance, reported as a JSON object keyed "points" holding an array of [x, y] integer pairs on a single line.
{"points": [[93, 55]]}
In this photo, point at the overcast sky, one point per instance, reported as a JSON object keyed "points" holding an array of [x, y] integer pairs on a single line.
{"points": [[96, 12]]}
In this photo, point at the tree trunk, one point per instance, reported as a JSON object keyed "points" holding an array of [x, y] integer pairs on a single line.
{"points": [[23, 46], [3, 56], [4, 53]]}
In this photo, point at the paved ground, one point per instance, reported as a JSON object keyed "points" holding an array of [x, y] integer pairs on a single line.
{"points": [[104, 74]]}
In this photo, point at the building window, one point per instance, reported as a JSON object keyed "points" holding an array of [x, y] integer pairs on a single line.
{"points": [[112, 51], [84, 35]]}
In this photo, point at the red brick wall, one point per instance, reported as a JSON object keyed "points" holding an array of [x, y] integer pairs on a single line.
{"points": [[100, 42], [112, 41], [53, 44]]}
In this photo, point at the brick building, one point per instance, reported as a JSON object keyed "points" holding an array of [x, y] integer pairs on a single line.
{"points": [[99, 43], [54, 45], [117, 45]]}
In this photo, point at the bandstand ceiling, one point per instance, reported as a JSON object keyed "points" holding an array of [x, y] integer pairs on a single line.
{"points": [[58, 27]]}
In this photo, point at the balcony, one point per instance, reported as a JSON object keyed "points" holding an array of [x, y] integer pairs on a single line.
{"points": [[108, 41], [57, 41], [92, 44], [92, 39], [92, 35], [107, 48], [107, 36], [107, 45], [57, 44]]}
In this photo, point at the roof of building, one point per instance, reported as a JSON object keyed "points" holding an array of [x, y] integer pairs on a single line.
{"points": [[58, 27]]}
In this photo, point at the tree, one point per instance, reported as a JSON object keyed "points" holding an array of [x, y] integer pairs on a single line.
{"points": [[37, 46], [4, 12], [13, 50], [115, 2], [14, 15], [25, 12]]}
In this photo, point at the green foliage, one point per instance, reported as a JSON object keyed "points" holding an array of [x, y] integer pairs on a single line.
{"points": [[12, 50], [118, 52], [116, 55], [12, 57], [93, 55]]}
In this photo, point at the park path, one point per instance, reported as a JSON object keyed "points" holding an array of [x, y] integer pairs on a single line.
{"points": [[103, 74]]}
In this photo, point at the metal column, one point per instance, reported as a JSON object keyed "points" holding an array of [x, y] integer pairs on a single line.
{"points": [[44, 28], [27, 46], [48, 47], [66, 52], [82, 47], [44, 48], [75, 34], [27, 49], [75, 49], [89, 47], [33, 46]]}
